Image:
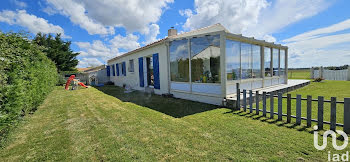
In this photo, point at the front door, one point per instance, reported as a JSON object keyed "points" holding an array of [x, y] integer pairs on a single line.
{"points": [[150, 76]]}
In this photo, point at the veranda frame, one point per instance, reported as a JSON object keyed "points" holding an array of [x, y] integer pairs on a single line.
{"points": [[224, 82]]}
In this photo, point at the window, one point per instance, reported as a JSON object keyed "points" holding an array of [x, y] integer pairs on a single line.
{"points": [[275, 61], [205, 59], [282, 62], [108, 71], [179, 61], [256, 61], [233, 60], [113, 70], [267, 63], [120, 69], [124, 68], [117, 67], [131, 66], [246, 59]]}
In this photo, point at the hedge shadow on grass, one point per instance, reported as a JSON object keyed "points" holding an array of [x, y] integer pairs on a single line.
{"points": [[174, 107]]}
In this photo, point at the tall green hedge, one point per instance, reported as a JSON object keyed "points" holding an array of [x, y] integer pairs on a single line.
{"points": [[26, 77]]}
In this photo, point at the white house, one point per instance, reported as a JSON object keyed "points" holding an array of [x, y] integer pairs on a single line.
{"points": [[202, 65]]}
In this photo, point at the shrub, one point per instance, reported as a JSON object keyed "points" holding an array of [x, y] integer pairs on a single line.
{"points": [[318, 79], [109, 83], [26, 77]]}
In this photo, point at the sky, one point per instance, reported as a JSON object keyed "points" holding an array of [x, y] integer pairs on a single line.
{"points": [[317, 32]]}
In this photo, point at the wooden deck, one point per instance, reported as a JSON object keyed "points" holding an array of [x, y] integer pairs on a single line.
{"points": [[292, 85]]}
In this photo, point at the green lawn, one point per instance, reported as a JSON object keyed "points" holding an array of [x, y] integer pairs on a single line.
{"points": [[107, 125], [299, 74]]}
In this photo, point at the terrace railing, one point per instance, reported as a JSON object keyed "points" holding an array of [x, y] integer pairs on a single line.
{"points": [[251, 99]]}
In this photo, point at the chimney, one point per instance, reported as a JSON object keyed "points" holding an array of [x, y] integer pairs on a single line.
{"points": [[172, 32]]}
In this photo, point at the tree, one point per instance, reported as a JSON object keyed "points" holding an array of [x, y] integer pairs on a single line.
{"points": [[58, 51]]}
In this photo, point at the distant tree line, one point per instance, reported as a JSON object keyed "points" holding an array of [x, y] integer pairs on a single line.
{"points": [[337, 67], [325, 67]]}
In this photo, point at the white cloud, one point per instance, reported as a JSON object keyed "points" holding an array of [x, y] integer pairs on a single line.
{"points": [[89, 62], [257, 18], [20, 3], [96, 49], [186, 12], [105, 51], [49, 10], [33, 23], [236, 15], [320, 47], [318, 32], [127, 43], [100, 17], [77, 14], [282, 13], [261, 19], [151, 34]]}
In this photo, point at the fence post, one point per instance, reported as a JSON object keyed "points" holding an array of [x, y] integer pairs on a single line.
{"points": [[238, 96], [238, 102], [347, 115], [264, 104], [320, 112], [280, 106], [271, 105], [349, 73], [289, 107], [244, 100], [308, 113], [298, 110], [333, 113], [250, 101], [257, 102]]}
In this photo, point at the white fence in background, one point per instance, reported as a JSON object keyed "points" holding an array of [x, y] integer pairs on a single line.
{"points": [[330, 74]]}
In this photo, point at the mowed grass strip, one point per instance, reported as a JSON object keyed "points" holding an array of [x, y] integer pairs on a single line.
{"points": [[109, 125], [299, 74]]}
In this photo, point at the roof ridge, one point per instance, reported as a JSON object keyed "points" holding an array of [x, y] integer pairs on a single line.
{"points": [[196, 30]]}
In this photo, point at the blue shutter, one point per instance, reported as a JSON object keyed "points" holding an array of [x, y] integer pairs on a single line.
{"points": [[156, 71], [113, 70], [124, 69], [141, 72], [108, 71], [117, 65]]}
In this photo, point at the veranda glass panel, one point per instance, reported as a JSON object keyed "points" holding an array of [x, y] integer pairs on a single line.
{"points": [[282, 61], [233, 62], [179, 61], [205, 59], [256, 61], [246, 51], [267, 61], [275, 61]]}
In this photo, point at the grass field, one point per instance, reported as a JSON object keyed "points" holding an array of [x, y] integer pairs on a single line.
{"points": [[106, 124], [299, 74]]}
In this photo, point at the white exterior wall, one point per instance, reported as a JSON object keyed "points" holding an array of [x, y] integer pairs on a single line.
{"points": [[132, 78], [206, 93]]}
